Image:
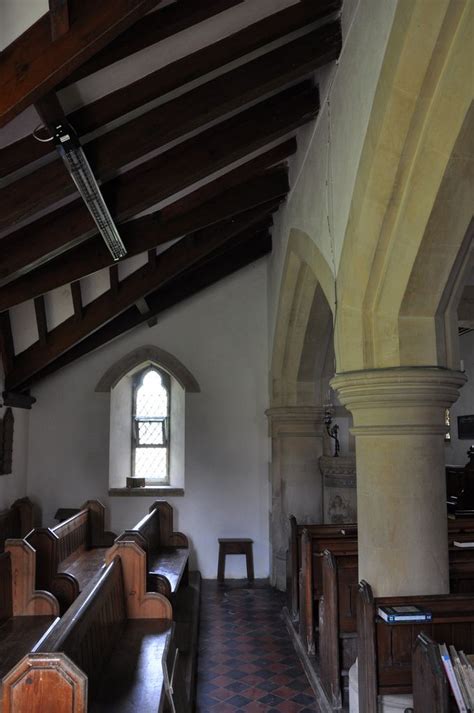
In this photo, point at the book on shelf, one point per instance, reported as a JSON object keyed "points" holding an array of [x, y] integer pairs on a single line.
{"points": [[453, 682], [393, 615], [467, 545], [460, 674]]}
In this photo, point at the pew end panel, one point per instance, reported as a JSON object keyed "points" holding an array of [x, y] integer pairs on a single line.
{"points": [[430, 686], [140, 603], [168, 538], [306, 619], [98, 535], [368, 661], [329, 633], [45, 542], [25, 509], [292, 568], [26, 600], [16, 521], [337, 621], [45, 681]]}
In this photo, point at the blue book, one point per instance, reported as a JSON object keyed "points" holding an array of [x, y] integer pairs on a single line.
{"points": [[403, 613]]}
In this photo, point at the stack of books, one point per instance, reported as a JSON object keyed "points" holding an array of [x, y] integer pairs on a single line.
{"points": [[460, 673]]}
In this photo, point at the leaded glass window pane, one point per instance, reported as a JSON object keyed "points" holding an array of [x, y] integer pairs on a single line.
{"points": [[151, 433], [151, 463], [152, 397]]}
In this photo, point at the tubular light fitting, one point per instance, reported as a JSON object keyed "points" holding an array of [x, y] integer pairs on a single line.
{"points": [[71, 152]]}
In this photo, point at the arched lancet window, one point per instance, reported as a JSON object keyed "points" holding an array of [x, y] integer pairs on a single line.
{"points": [[151, 425]]}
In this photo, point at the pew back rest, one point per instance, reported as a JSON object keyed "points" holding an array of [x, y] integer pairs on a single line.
{"points": [[385, 650], [155, 530], [6, 604], [90, 629], [53, 545]]}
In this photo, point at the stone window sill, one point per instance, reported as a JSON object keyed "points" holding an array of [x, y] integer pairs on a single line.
{"points": [[147, 491]]}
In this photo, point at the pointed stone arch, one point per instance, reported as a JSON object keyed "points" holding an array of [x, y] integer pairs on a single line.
{"points": [[148, 354], [412, 200], [303, 332]]}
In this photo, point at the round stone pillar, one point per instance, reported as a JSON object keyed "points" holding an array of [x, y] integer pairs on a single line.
{"points": [[399, 430]]}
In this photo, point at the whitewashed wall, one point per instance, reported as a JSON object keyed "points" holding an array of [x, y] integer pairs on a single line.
{"points": [[221, 337]]}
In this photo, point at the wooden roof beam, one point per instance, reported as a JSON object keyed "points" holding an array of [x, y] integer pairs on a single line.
{"points": [[163, 176], [151, 29], [174, 75], [142, 234], [176, 291], [178, 258], [34, 64], [173, 120]]}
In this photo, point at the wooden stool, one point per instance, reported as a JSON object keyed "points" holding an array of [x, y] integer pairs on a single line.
{"points": [[235, 546]]}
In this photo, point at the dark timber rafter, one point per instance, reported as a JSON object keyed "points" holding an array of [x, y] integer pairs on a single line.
{"points": [[175, 75], [200, 276], [174, 119], [34, 63], [141, 234], [163, 176], [178, 258], [151, 29]]}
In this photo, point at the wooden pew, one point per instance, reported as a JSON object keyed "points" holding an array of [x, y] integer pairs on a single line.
{"points": [[385, 650], [16, 521], [317, 532], [112, 642], [338, 611], [71, 553], [311, 543], [167, 551], [25, 613]]}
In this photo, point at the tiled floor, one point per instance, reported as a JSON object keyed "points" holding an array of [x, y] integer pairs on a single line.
{"points": [[246, 659]]}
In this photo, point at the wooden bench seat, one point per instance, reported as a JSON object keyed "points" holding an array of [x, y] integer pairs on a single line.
{"points": [[108, 647], [126, 684], [71, 553], [25, 614], [170, 562], [167, 551]]}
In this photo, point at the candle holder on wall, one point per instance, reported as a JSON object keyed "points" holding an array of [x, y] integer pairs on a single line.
{"points": [[332, 430]]}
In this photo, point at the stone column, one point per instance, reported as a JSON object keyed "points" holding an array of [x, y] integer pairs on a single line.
{"points": [[296, 482], [399, 430]]}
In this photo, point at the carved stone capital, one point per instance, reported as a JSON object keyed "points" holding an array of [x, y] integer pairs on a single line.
{"points": [[399, 400], [294, 420]]}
